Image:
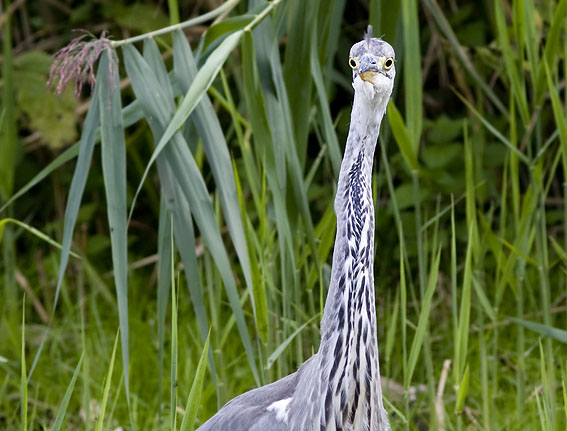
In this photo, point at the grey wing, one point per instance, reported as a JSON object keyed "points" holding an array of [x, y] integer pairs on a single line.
{"points": [[249, 411]]}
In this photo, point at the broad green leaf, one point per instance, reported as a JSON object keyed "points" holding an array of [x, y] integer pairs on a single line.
{"points": [[411, 67], [8, 124], [401, 136], [278, 113], [228, 25]]}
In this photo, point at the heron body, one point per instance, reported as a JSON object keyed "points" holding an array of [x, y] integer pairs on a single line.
{"points": [[338, 388]]}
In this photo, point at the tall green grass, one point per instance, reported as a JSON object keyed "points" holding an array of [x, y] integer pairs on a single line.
{"points": [[213, 211]]}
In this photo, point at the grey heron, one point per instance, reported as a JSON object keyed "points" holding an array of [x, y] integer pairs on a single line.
{"points": [[338, 388]]}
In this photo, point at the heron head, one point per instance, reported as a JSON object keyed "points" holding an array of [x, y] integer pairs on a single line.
{"points": [[372, 62]]}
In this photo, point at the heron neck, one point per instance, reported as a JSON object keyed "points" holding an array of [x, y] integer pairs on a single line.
{"points": [[349, 346], [354, 192]]}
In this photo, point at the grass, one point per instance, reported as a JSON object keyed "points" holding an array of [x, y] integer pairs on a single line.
{"points": [[201, 228]]}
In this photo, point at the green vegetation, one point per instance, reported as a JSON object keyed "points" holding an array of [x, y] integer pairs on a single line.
{"points": [[167, 237]]}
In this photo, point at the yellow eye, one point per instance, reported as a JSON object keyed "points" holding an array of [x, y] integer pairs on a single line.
{"points": [[353, 62], [388, 63]]}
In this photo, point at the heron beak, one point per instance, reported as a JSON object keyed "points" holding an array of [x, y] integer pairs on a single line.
{"points": [[369, 67]]}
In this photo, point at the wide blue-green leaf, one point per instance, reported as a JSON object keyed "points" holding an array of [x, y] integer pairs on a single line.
{"points": [[163, 281], [113, 147], [208, 126], [255, 105], [278, 112], [86, 146], [300, 26], [188, 177], [176, 201], [131, 114], [198, 88], [323, 104]]}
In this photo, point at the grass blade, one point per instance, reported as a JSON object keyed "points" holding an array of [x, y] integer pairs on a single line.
{"points": [[23, 372], [545, 330], [423, 321], [106, 390], [258, 284], [276, 353], [446, 29], [65, 402], [34, 231], [518, 89], [114, 170], [494, 130], [194, 399], [552, 45], [461, 343]]}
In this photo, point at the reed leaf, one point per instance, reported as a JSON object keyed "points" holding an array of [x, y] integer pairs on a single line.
{"points": [[113, 147]]}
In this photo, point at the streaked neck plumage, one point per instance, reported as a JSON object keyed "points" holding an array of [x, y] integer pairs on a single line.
{"points": [[348, 329], [339, 387]]}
